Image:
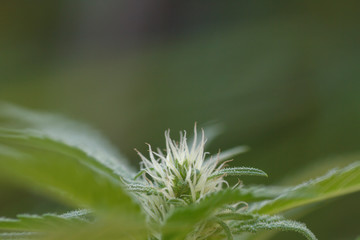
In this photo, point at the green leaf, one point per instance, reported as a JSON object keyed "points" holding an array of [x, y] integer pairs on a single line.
{"points": [[62, 170], [238, 171], [183, 219], [140, 188], [336, 183], [256, 193], [319, 168], [18, 235], [226, 229], [234, 216], [104, 228], [66, 131], [265, 222], [26, 222]]}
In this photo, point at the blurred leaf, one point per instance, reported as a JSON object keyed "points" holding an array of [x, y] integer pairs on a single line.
{"points": [[336, 183], [18, 235], [44, 222], [257, 193], [66, 131], [102, 228], [319, 168], [62, 170], [65, 159], [115, 227]]}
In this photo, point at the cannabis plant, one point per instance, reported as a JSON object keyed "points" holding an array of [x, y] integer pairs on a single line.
{"points": [[180, 192]]}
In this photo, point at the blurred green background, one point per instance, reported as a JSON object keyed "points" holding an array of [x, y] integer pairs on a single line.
{"points": [[281, 77]]}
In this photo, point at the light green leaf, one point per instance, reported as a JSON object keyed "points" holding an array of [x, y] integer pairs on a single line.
{"points": [[336, 183], [26, 222], [226, 229], [107, 227], [260, 193], [140, 188], [265, 222], [235, 216], [64, 171], [103, 228], [66, 131], [319, 168], [18, 235], [238, 171]]}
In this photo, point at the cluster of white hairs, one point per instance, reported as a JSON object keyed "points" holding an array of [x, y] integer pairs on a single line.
{"points": [[181, 175]]}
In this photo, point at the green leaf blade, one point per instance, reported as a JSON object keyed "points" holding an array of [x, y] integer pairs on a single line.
{"points": [[67, 131], [27, 222], [183, 219], [335, 183], [265, 222], [238, 171], [61, 170]]}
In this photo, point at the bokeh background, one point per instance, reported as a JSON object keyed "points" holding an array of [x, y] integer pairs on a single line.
{"points": [[279, 76]]}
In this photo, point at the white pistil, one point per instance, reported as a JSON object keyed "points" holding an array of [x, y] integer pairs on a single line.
{"points": [[181, 174]]}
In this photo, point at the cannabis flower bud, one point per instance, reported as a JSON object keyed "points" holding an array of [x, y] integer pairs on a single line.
{"points": [[181, 175]]}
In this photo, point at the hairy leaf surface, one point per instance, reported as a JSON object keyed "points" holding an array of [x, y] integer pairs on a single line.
{"points": [[239, 171], [265, 222], [27, 222]]}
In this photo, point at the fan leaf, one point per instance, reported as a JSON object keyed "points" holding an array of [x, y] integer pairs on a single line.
{"points": [[66, 131], [26, 222], [336, 183], [61, 170]]}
